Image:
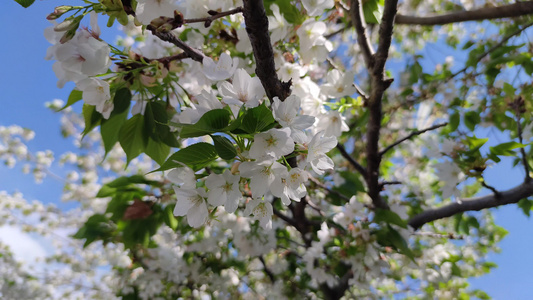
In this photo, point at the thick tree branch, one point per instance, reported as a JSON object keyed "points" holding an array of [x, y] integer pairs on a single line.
{"points": [[379, 84], [487, 13], [256, 22], [511, 196], [356, 13], [414, 133]]}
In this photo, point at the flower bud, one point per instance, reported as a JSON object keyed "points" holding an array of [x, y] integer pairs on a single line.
{"points": [[68, 24], [58, 12]]}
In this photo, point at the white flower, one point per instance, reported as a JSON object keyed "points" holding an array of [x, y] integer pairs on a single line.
{"points": [[285, 113], [316, 7], [450, 176], [261, 210], [277, 24], [338, 85], [292, 187], [96, 92], [244, 89], [316, 152], [264, 175], [183, 177], [223, 69], [147, 10], [274, 143], [332, 123], [191, 202], [223, 190], [313, 44]]}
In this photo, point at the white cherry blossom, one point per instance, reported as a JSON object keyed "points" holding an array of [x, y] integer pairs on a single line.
{"points": [[316, 7], [286, 114], [316, 152], [332, 123], [191, 202], [263, 174], [221, 70], [339, 84], [96, 92], [244, 89], [277, 24], [262, 211], [147, 10], [274, 143], [223, 190]]}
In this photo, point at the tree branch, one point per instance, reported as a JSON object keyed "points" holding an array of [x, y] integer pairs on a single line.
{"points": [[195, 54], [487, 13], [511, 196], [379, 84], [352, 161], [356, 13], [213, 15], [256, 22], [414, 133]]}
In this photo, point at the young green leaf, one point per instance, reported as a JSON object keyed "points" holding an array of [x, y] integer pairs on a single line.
{"points": [[224, 147], [133, 137], [196, 156]]}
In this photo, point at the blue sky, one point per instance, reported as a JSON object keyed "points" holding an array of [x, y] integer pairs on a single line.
{"points": [[28, 82]]}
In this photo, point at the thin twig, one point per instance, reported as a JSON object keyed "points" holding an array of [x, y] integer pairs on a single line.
{"points": [[518, 106], [267, 270], [170, 37], [352, 161], [361, 92], [328, 190], [494, 190], [450, 236], [492, 49], [213, 15], [413, 134]]}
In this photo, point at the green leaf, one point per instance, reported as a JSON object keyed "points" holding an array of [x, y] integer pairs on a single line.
{"points": [[224, 147], [110, 128], [25, 3], [128, 180], [475, 143], [472, 119], [97, 227], [388, 216], [215, 120], [454, 121], [525, 205], [121, 101], [157, 151], [75, 96], [92, 118], [373, 11], [156, 119], [257, 119], [505, 149], [196, 156], [133, 137], [168, 217], [387, 236]]}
